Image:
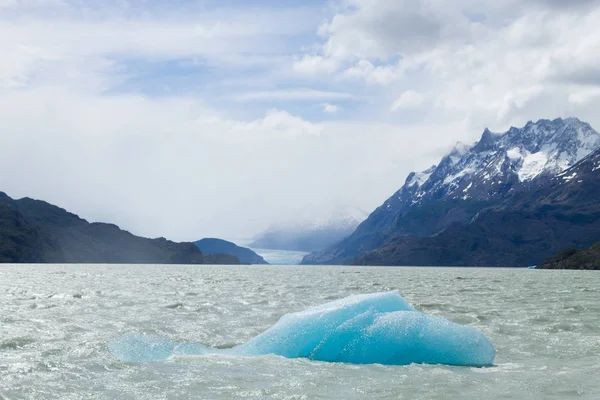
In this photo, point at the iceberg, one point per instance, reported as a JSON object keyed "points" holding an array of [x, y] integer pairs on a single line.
{"points": [[378, 328]]}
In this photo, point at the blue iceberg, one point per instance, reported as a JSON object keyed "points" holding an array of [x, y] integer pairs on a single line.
{"points": [[379, 328]]}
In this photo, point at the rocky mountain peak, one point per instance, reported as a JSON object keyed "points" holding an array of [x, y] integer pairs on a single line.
{"points": [[499, 161], [487, 141]]}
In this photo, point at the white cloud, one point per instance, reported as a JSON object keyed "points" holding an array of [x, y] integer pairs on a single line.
{"points": [[518, 99], [581, 97], [278, 121], [408, 100], [174, 167], [32, 38], [489, 63], [5, 4], [384, 28], [381, 74], [315, 65], [330, 108], [295, 94], [157, 39]]}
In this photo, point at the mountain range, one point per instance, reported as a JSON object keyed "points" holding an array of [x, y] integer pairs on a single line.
{"points": [[33, 231], [510, 199]]}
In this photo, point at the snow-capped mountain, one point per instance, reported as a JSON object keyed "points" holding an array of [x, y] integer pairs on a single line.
{"points": [[311, 229], [468, 179], [558, 215], [494, 165]]}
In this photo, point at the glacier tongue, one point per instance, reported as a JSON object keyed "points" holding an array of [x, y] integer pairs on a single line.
{"points": [[364, 329]]}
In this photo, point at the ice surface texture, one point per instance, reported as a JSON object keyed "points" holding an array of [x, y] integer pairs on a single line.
{"points": [[379, 328]]}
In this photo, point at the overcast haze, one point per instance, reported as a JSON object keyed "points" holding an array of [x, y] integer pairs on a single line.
{"points": [[188, 119]]}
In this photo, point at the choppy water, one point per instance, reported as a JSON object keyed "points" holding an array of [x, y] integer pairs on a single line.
{"points": [[56, 323]]}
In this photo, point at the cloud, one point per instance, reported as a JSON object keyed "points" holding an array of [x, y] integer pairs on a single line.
{"points": [[408, 100], [291, 95], [177, 168], [488, 63], [330, 108], [6, 4], [283, 122], [380, 75], [315, 65], [585, 96], [384, 28], [58, 35], [569, 4]]}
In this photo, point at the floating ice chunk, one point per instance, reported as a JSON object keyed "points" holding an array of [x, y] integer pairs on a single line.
{"points": [[377, 328], [301, 333]]}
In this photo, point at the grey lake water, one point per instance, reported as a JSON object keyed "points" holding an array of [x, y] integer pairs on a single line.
{"points": [[56, 323]]}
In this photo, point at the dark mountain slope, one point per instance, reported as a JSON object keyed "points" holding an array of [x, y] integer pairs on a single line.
{"points": [[20, 241], [33, 231]]}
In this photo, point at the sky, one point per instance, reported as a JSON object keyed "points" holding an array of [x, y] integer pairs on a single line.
{"points": [[187, 119]]}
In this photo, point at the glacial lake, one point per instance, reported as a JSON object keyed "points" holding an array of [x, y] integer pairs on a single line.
{"points": [[56, 322]]}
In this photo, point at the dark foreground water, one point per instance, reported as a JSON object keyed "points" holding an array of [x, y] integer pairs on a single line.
{"points": [[56, 323]]}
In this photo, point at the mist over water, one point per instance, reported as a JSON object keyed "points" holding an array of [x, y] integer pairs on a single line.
{"points": [[56, 323]]}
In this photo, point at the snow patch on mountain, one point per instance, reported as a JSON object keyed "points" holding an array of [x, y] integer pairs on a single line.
{"points": [[514, 154], [460, 174], [419, 178], [533, 165]]}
